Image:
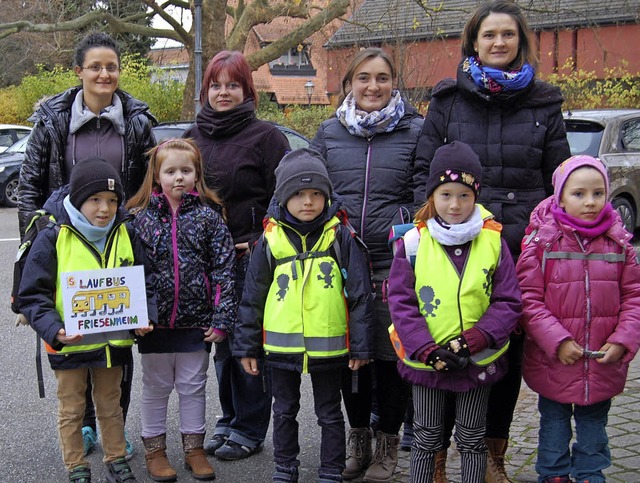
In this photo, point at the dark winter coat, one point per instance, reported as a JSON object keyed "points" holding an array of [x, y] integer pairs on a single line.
{"points": [[38, 285], [191, 256], [374, 177], [519, 137], [593, 302], [240, 164], [247, 340], [43, 169]]}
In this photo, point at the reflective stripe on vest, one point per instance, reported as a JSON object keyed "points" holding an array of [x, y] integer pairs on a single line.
{"points": [[305, 310], [73, 255]]}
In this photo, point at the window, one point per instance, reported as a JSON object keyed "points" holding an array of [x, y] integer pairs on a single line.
{"points": [[294, 62], [631, 135]]}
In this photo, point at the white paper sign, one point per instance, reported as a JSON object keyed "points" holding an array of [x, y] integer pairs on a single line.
{"points": [[104, 300]]}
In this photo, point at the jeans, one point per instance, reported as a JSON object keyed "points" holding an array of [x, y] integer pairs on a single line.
{"points": [[328, 409], [245, 400], [590, 452]]}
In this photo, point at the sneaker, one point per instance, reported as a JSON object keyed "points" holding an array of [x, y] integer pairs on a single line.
{"points": [[232, 451], [119, 471], [80, 474], [89, 439], [130, 447], [211, 446]]}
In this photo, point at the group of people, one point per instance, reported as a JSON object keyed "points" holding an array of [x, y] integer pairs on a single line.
{"points": [[406, 264]]}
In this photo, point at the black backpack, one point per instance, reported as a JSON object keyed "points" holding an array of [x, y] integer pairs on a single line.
{"points": [[38, 220]]}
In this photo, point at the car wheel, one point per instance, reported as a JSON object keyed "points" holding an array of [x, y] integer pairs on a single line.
{"points": [[623, 207], [10, 193]]}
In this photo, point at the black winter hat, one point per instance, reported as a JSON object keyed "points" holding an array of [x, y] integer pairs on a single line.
{"points": [[301, 169], [92, 176], [455, 163]]}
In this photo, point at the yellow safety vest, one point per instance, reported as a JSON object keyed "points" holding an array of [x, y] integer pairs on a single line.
{"points": [[450, 302], [74, 255], [305, 311]]}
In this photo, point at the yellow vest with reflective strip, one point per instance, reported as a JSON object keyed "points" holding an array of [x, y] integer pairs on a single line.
{"points": [[305, 311], [74, 255], [450, 302]]}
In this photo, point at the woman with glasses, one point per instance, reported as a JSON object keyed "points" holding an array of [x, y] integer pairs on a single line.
{"points": [[93, 119]]}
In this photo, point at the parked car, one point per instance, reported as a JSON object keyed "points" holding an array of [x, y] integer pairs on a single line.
{"points": [[613, 135], [168, 130], [10, 162], [10, 134]]}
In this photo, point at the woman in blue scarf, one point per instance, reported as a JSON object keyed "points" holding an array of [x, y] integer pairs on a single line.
{"points": [[513, 121]]}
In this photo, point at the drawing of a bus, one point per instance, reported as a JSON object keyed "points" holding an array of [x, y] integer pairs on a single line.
{"points": [[92, 302]]}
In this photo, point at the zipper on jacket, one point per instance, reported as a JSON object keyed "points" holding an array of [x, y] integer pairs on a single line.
{"points": [[176, 270], [365, 191]]}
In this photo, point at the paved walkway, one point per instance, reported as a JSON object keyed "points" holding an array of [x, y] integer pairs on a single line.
{"points": [[623, 430]]}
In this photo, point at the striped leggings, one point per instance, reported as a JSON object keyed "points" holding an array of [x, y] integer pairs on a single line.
{"points": [[428, 427]]}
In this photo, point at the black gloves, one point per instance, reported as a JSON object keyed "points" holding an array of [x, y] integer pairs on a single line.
{"points": [[442, 359], [458, 346]]}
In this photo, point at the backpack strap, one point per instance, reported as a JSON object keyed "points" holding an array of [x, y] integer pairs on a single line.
{"points": [[410, 235]]}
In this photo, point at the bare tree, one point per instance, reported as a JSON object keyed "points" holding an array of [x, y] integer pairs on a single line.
{"points": [[225, 25]]}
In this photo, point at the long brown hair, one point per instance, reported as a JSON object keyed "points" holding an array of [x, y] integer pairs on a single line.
{"points": [[526, 51], [156, 155]]}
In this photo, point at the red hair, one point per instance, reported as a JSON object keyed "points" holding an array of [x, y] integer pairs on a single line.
{"points": [[237, 69]]}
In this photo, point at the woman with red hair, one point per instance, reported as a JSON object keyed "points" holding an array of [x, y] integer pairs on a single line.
{"points": [[240, 155]]}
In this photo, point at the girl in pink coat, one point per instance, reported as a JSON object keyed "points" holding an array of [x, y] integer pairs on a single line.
{"points": [[580, 283]]}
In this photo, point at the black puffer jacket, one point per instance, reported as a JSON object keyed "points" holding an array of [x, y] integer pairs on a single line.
{"points": [[43, 169], [374, 177], [247, 340], [519, 137]]}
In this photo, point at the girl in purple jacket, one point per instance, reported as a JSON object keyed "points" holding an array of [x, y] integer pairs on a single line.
{"points": [[581, 296], [453, 313]]}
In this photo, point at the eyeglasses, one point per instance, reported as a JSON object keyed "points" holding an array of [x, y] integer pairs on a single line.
{"points": [[111, 69]]}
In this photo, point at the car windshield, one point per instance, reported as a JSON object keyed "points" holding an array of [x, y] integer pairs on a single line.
{"points": [[19, 146], [584, 137]]}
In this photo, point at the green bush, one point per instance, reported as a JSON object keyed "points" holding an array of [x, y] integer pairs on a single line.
{"points": [[300, 118]]}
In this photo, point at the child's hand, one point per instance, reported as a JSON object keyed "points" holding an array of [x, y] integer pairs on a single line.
{"points": [[211, 335], [614, 353], [355, 364], [569, 352], [142, 331], [67, 339], [250, 365]]}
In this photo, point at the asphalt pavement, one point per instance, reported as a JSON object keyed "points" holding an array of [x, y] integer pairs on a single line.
{"points": [[29, 442]]}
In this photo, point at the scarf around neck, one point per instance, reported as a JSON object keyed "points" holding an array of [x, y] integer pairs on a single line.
{"points": [[453, 235], [586, 229], [221, 124], [366, 124], [497, 80], [95, 234]]}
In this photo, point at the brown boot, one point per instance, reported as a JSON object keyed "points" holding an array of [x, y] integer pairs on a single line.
{"points": [[195, 459], [440, 474], [496, 473], [358, 452], [155, 456], [385, 459]]}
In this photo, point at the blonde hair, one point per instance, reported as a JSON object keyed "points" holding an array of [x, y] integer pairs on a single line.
{"points": [[426, 211], [156, 155]]}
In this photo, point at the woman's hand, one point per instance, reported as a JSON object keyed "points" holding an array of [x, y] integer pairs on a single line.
{"points": [[569, 352], [614, 353]]}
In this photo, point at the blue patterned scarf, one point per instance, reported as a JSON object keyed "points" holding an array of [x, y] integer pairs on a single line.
{"points": [[366, 124], [496, 80]]}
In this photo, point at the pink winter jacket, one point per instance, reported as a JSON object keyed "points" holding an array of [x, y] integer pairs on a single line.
{"points": [[590, 301]]}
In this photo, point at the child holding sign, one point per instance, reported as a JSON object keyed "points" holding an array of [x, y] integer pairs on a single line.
{"points": [[89, 234], [192, 255]]}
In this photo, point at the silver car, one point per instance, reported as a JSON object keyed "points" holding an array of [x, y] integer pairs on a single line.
{"points": [[613, 135]]}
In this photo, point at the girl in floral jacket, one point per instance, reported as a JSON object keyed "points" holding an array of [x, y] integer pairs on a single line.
{"points": [[191, 253], [580, 286]]}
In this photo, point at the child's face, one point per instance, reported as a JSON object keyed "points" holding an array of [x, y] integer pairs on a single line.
{"points": [[177, 175], [454, 202], [100, 208], [306, 205], [584, 194]]}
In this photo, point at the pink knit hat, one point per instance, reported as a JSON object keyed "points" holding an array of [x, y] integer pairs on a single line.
{"points": [[562, 172]]}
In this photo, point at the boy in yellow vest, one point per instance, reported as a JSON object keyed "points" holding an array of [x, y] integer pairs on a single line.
{"points": [[89, 234], [307, 304]]}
